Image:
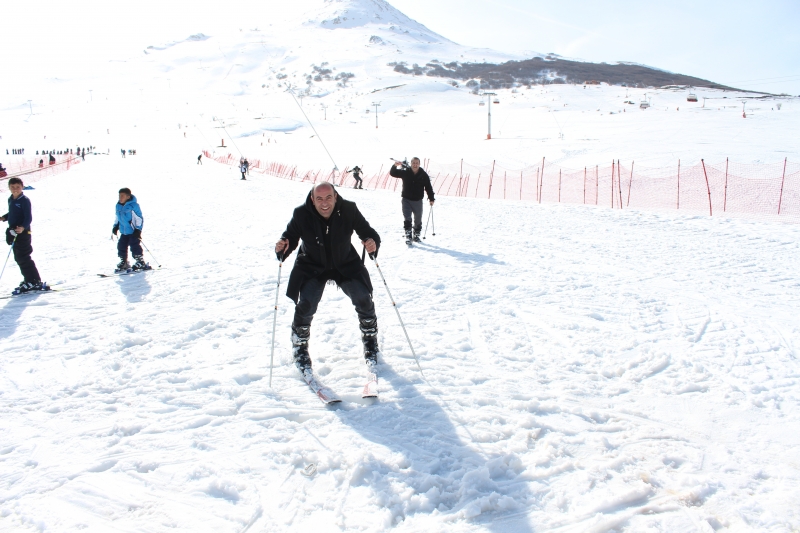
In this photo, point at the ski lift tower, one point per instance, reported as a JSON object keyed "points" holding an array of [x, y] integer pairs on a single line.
{"points": [[489, 99], [376, 104]]}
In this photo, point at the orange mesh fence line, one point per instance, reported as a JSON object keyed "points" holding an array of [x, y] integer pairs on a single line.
{"points": [[31, 173], [726, 188]]}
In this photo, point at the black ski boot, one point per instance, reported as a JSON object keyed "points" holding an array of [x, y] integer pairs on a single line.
{"points": [[300, 336], [122, 266], [140, 263], [416, 236], [369, 336], [409, 238]]}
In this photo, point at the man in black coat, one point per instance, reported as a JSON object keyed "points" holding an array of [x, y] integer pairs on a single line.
{"points": [[325, 223], [416, 182]]}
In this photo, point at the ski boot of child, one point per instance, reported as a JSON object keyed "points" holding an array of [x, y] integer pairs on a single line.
{"points": [[122, 266], [140, 263]]}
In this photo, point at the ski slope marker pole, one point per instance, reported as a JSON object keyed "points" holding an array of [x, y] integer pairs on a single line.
{"points": [[9, 255], [149, 252], [371, 256], [275, 319]]}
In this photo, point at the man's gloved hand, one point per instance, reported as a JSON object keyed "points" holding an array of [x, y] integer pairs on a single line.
{"points": [[115, 229], [137, 234]]}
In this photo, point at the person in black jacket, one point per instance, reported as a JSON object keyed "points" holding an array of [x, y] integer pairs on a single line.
{"points": [[416, 182], [325, 223], [19, 219]]}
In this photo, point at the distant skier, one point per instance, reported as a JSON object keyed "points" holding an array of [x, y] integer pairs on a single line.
{"points": [[357, 176], [243, 169], [325, 224], [200, 159], [416, 183], [18, 235], [129, 224], [123, 152]]}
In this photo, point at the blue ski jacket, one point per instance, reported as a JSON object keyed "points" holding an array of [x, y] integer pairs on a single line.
{"points": [[19, 212], [129, 216]]}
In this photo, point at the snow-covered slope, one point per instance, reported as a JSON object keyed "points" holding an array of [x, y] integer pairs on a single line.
{"points": [[585, 369]]}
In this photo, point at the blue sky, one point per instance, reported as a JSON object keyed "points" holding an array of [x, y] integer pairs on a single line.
{"points": [[746, 44], [751, 45]]}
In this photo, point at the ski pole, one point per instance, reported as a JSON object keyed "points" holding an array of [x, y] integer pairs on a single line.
{"points": [[275, 319], [430, 212], [371, 256], [433, 223], [149, 252], [9, 255]]}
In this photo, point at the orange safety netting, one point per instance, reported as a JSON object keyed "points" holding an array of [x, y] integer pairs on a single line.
{"points": [[30, 171], [754, 190]]}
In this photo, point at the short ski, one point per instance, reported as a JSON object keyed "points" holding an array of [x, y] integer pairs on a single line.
{"points": [[48, 290], [371, 387], [126, 272], [325, 394]]}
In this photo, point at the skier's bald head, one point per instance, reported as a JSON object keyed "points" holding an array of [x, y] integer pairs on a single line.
{"points": [[322, 188]]}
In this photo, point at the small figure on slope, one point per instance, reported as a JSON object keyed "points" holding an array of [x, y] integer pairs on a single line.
{"points": [[416, 183], [325, 224], [129, 225], [357, 176], [18, 235], [243, 168]]}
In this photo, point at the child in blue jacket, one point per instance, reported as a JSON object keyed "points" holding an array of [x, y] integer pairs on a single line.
{"points": [[129, 225]]}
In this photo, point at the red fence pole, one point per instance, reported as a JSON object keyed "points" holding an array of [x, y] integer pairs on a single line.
{"points": [[780, 200], [596, 184], [725, 201], [504, 185], [520, 185], [629, 186], [584, 185], [619, 183], [541, 182], [559, 185], [679, 184], [708, 187], [491, 177], [612, 184]]}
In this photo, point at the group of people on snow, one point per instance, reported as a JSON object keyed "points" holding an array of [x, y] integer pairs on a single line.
{"points": [[128, 224], [320, 230]]}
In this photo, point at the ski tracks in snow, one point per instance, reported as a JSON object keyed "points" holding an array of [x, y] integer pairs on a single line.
{"points": [[585, 370]]}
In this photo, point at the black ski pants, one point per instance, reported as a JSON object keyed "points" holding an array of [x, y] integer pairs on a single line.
{"points": [[126, 241], [22, 255], [415, 207], [311, 294]]}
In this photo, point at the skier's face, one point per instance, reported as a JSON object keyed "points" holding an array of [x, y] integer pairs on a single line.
{"points": [[16, 189], [124, 197], [415, 165], [324, 198]]}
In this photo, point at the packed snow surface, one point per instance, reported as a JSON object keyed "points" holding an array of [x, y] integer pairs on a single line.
{"points": [[584, 369]]}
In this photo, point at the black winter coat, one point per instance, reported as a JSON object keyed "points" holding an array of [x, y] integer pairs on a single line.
{"points": [[307, 225], [414, 185]]}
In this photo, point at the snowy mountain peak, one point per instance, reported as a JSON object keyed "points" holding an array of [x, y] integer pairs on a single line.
{"points": [[336, 14]]}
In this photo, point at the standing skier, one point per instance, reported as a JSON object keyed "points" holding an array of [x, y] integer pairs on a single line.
{"points": [[18, 235], [129, 224], [325, 224], [416, 182], [243, 168], [200, 159], [357, 176]]}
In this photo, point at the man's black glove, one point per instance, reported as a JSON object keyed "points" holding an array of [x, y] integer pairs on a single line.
{"points": [[137, 234], [115, 229]]}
